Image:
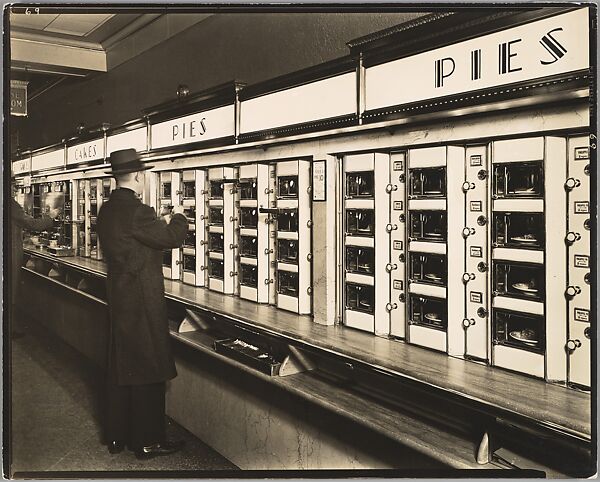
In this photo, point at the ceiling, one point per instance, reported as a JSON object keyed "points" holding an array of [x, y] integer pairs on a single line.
{"points": [[56, 47]]}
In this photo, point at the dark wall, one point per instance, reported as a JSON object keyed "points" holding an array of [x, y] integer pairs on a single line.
{"points": [[246, 47]]}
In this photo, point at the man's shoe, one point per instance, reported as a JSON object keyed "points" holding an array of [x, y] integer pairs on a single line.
{"points": [[159, 449], [115, 447]]}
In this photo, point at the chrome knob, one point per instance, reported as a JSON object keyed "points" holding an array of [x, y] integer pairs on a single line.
{"points": [[391, 227], [466, 322], [390, 267], [588, 333], [482, 312], [232, 219], [572, 291], [482, 220], [232, 274], [572, 345], [482, 267], [466, 232], [391, 306], [466, 277], [268, 251], [571, 237], [572, 183], [177, 262], [482, 174], [232, 246], [268, 281], [467, 185], [391, 187]]}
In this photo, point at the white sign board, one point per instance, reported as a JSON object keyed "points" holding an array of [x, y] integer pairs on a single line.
{"points": [[22, 166], [538, 49], [86, 152], [319, 182], [323, 99], [135, 139], [202, 126], [48, 160]]}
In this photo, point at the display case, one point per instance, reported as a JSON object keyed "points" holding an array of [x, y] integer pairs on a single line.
{"points": [[518, 230], [169, 195], [193, 200], [518, 179], [293, 236]]}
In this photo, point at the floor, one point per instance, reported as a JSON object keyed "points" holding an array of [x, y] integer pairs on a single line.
{"points": [[55, 422]]}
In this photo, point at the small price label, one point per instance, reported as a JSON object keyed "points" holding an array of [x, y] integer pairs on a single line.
{"points": [[582, 207], [475, 160], [476, 297], [398, 284], [475, 206], [582, 153], [582, 315], [582, 261], [476, 252], [398, 205], [398, 245], [398, 166]]}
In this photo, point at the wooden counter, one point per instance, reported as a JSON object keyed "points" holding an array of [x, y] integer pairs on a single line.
{"points": [[516, 398]]}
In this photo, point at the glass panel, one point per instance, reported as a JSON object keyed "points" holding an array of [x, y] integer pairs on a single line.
{"points": [[287, 283], [189, 263], [248, 275], [287, 221], [248, 189], [430, 182], [428, 225], [106, 188], [360, 184], [360, 222], [522, 179], [190, 213], [215, 215], [215, 268], [165, 190], [429, 312], [190, 239], [360, 260], [189, 189], [216, 189], [248, 246], [519, 330], [519, 230], [519, 280], [287, 186], [248, 217], [360, 298], [93, 190], [428, 268], [216, 242], [287, 251]]}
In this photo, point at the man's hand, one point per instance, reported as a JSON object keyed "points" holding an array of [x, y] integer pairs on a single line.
{"points": [[177, 210]]}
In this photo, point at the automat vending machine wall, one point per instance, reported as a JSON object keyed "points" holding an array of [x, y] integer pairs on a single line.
{"points": [[222, 230], [90, 194], [254, 246], [168, 186], [293, 276]]}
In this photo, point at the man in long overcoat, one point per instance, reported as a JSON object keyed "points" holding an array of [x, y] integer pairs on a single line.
{"points": [[140, 358]]}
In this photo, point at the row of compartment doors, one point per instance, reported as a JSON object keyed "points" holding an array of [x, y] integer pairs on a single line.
{"points": [[480, 251], [249, 230]]}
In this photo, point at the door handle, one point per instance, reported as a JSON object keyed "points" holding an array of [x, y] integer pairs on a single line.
{"points": [[572, 183], [572, 345], [467, 322]]}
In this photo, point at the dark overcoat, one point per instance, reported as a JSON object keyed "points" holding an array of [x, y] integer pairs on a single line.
{"points": [[133, 240]]}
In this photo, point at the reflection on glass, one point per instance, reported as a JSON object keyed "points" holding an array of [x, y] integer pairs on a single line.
{"points": [[519, 230], [519, 330], [216, 242], [165, 190], [216, 189], [190, 239], [360, 184], [287, 187], [287, 251], [287, 221], [215, 216], [519, 179], [248, 189], [360, 298], [189, 262], [360, 222], [428, 312], [105, 188], [248, 217], [428, 268], [428, 225], [430, 182], [189, 189], [248, 246], [360, 260], [248, 275], [518, 280], [216, 268], [287, 283]]}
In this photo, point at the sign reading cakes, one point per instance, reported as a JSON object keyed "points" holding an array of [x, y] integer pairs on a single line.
{"points": [[199, 127], [552, 46], [86, 152]]}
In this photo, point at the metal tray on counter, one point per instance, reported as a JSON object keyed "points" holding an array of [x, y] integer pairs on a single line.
{"points": [[60, 251], [248, 354]]}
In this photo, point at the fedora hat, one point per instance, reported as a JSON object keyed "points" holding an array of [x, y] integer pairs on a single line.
{"points": [[126, 160]]}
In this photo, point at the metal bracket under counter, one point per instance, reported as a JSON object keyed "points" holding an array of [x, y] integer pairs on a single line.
{"points": [[531, 403]]}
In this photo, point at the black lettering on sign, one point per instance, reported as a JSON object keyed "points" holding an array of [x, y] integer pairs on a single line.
{"points": [[476, 297], [582, 261], [398, 284], [582, 207], [475, 160], [398, 166], [475, 64], [582, 315], [440, 70], [397, 205], [397, 244], [475, 206], [553, 46], [582, 153], [505, 55]]}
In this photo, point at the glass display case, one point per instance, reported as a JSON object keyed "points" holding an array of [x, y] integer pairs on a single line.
{"points": [[518, 180], [519, 330], [215, 216], [519, 280], [248, 217], [287, 187], [428, 311], [427, 182], [248, 189], [287, 283], [216, 242], [248, 246], [360, 222], [360, 259], [360, 184], [287, 220], [428, 226], [249, 275], [428, 268], [360, 298], [189, 189], [217, 189], [216, 268], [519, 230], [287, 251]]}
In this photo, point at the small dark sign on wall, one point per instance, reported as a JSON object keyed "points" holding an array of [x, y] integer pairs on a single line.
{"points": [[18, 97]]}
